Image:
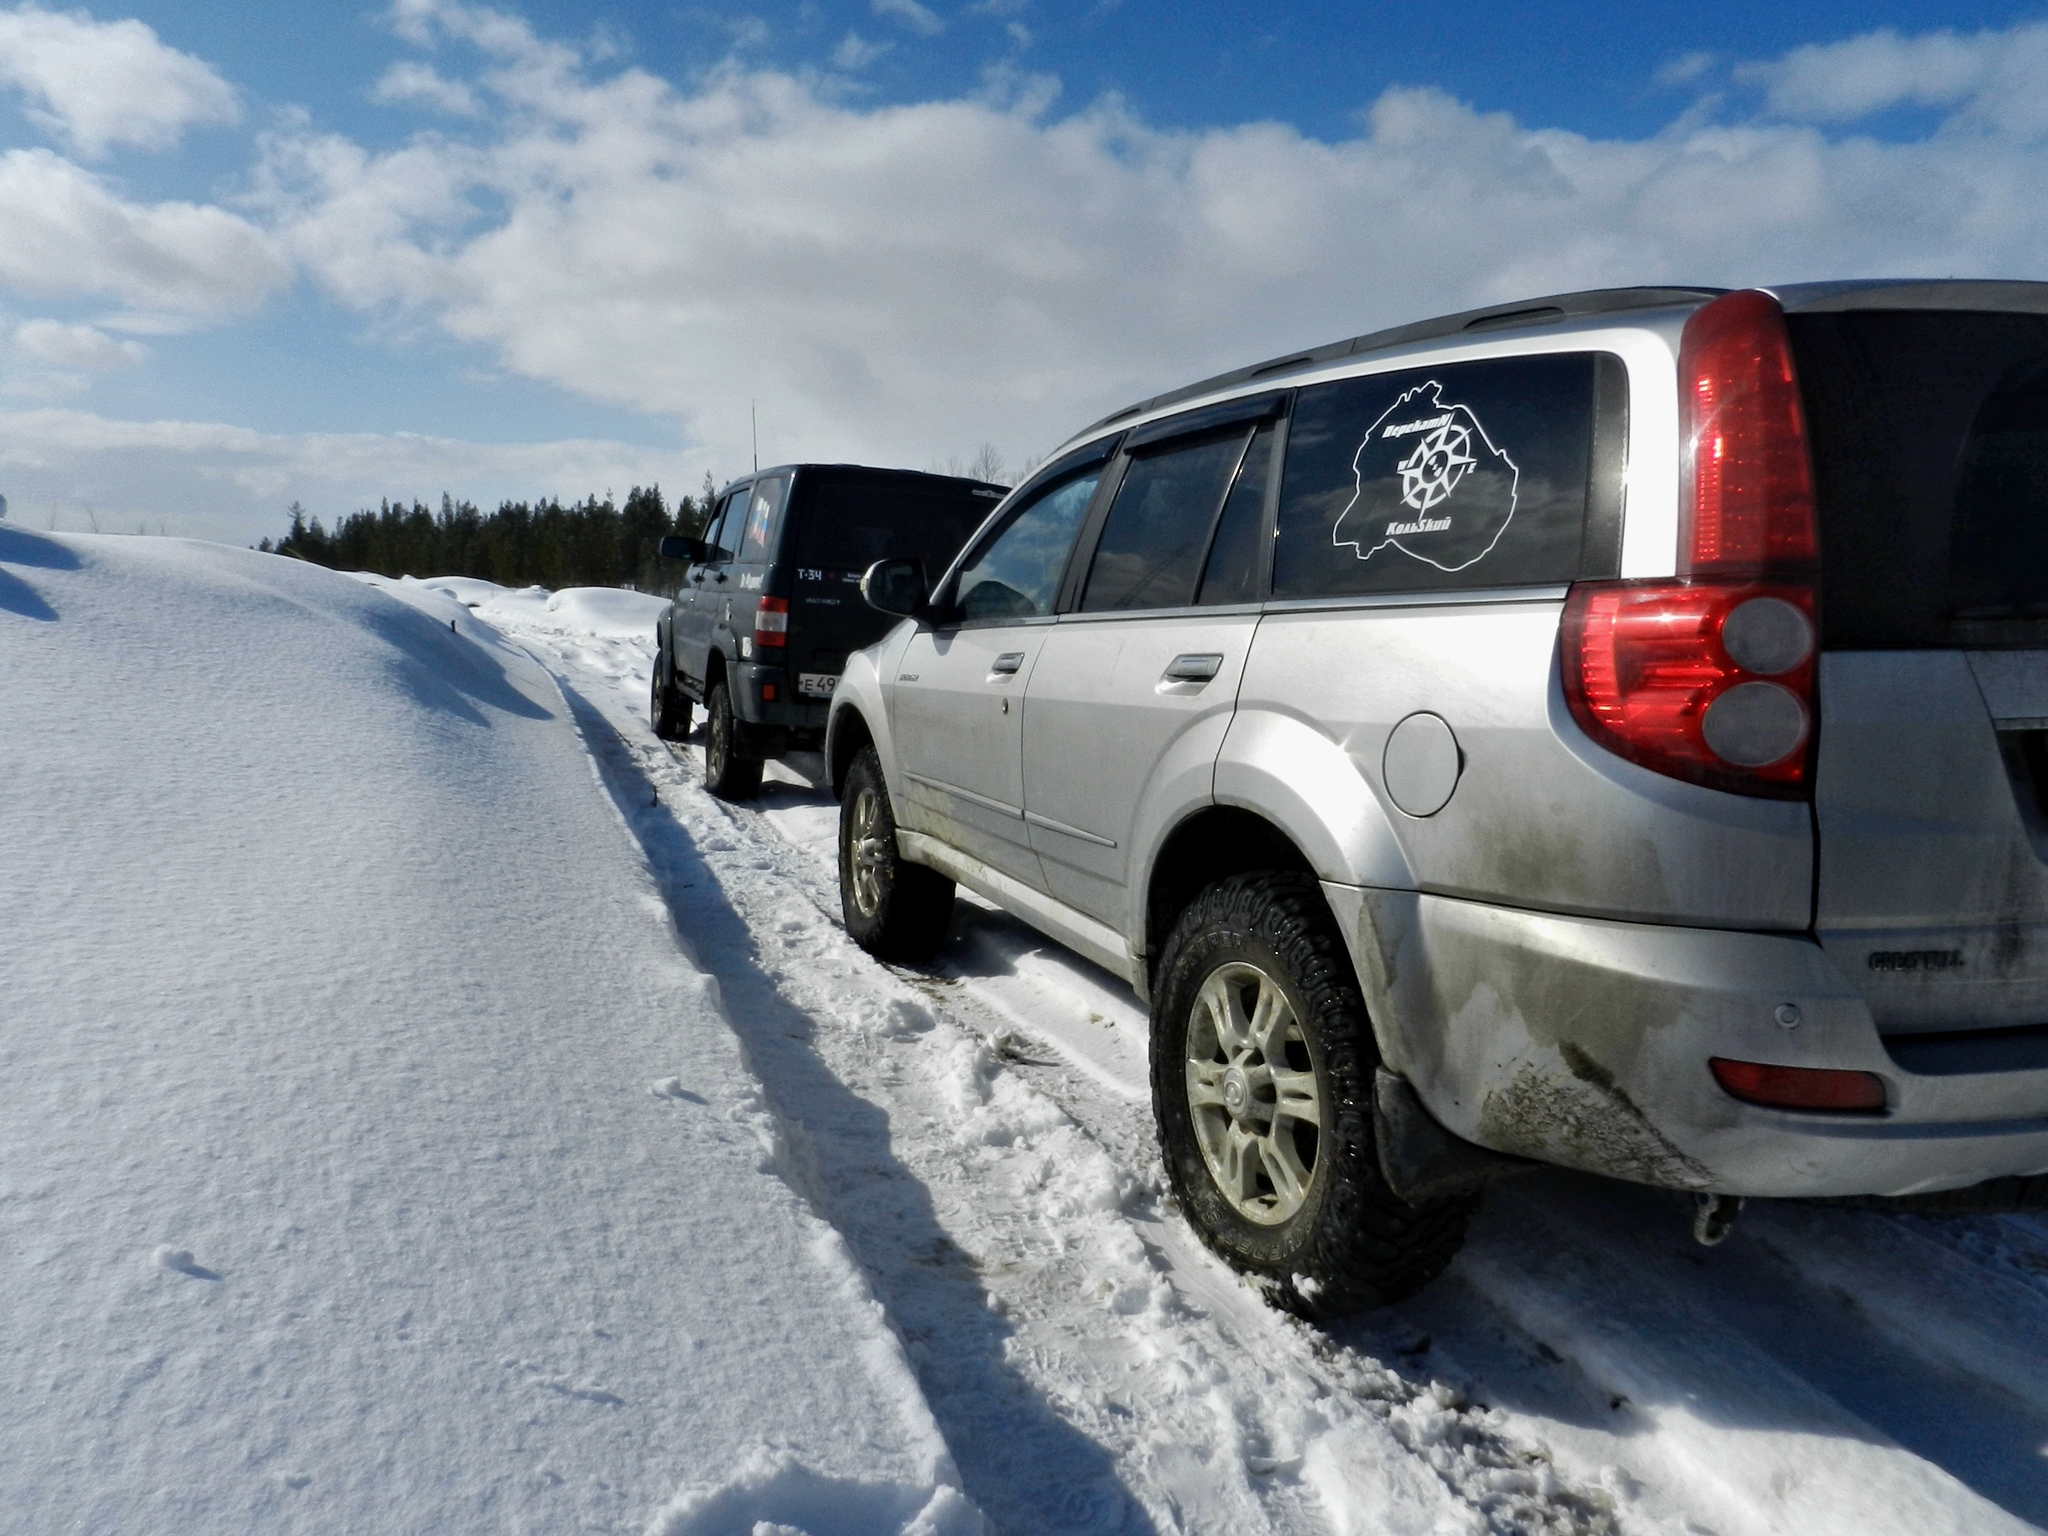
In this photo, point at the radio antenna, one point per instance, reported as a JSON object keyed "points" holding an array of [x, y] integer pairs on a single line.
{"points": [[754, 417]]}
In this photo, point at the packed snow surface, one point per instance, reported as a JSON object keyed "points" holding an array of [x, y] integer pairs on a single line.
{"points": [[375, 1156], [380, 1158]]}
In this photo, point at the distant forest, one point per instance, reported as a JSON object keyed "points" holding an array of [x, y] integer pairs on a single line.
{"points": [[590, 543]]}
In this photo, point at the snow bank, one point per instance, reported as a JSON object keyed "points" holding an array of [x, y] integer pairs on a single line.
{"points": [[332, 1190], [610, 613]]}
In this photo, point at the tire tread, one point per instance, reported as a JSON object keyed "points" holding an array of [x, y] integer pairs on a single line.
{"points": [[1368, 1247]]}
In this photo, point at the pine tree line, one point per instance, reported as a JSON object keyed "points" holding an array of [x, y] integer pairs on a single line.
{"points": [[590, 543]]}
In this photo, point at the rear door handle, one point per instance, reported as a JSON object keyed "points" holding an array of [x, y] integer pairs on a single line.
{"points": [[1193, 667], [1006, 665]]}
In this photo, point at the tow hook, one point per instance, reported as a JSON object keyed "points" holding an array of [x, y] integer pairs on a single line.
{"points": [[1712, 1216]]}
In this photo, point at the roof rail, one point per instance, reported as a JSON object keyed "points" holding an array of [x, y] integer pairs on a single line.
{"points": [[1562, 306]]}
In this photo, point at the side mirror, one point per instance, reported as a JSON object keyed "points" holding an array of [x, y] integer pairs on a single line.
{"points": [[675, 547], [896, 586]]}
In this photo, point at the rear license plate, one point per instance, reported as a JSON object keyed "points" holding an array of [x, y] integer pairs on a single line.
{"points": [[816, 685]]}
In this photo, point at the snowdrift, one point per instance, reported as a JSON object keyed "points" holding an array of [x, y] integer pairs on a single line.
{"points": [[377, 1158], [605, 612]]}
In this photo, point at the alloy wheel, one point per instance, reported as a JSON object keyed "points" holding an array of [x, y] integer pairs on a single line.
{"points": [[1252, 1093], [870, 853]]}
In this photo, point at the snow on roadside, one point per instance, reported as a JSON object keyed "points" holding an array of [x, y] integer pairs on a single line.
{"points": [[1080, 1375], [1824, 1371], [375, 1159]]}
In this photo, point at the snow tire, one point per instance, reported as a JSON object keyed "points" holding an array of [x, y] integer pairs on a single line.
{"points": [[895, 910], [1313, 1219], [667, 710], [729, 772]]}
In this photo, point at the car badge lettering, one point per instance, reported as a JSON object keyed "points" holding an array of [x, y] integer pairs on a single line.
{"points": [[1430, 483], [1917, 960]]}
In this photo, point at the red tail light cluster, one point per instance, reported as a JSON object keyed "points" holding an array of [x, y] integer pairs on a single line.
{"points": [[771, 621], [1709, 676], [1744, 433]]}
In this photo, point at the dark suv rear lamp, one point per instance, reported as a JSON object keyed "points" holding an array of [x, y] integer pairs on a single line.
{"points": [[1824, 1088], [771, 622]]}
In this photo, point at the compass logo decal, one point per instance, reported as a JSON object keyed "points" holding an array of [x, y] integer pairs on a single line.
{"points": [[1433, 470], [1430, 483]]}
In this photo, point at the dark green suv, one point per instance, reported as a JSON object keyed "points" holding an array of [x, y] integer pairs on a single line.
{"points": [[769, 606]]}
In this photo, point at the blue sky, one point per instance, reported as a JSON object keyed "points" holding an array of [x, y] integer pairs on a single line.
{"points": [[330, 253]]}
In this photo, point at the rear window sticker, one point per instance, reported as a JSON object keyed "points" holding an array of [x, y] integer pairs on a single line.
{"points": [[1430, 483]]}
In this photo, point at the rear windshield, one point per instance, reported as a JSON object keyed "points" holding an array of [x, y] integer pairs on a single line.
{"points": [[847, 523], [1930, 450]]}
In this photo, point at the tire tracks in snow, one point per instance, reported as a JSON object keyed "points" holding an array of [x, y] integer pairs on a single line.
{"points": [[1066, 1331]]}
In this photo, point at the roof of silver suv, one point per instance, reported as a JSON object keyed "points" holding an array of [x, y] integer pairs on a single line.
{"points": [[1869, 293]]}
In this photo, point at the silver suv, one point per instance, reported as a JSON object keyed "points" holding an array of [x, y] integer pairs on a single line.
{"points": [[1607, 731]]}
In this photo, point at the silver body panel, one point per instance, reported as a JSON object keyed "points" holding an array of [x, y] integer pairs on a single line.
{"points": [[1933, 894], [1115, 751], [956, 704], [1539, 817]]}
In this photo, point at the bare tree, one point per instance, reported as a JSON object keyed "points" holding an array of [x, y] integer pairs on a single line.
{"points": [[987, 464]]}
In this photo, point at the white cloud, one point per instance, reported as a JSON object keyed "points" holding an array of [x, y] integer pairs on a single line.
{"points": [[1685, 69], [75, 346], [51, 359], [901, 283], [856, 52], [69, 234], [99, 84], [918, 18], [210, 480], [419, 82], [1995, 78]]}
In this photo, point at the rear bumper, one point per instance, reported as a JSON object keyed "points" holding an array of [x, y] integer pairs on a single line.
{"points": [[1585, 1043], [786, 721]]}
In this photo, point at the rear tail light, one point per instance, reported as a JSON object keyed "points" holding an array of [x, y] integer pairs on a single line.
{"points": [[771, 621], [1710, 677], [1707, 681], [1825, 1088], [1748, 506]]}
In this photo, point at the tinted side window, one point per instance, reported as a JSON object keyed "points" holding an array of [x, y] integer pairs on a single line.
{"points": [[1465, 475], [764, 505], [721, 535], [1232, 572], [1017, 574], [1151, 547]]}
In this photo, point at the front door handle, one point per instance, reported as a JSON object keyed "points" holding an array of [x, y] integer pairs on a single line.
{"points": [[1193, 667], [1006, 665]]}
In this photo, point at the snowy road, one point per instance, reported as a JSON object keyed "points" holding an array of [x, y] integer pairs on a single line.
{"points": [[377, 1158], [979, 1136]]}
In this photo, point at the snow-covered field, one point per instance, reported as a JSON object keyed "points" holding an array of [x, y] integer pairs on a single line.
{"points": [[547, 1158]]}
